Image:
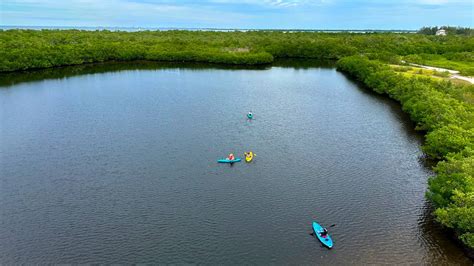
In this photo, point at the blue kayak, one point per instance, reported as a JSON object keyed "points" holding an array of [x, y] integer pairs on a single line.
{"points": [[250, 116], [228, 161], [327, 241]]}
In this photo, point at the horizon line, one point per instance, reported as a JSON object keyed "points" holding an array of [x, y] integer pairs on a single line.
{"points": [[204, 28]]}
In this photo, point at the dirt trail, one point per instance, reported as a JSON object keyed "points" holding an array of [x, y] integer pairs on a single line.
{"points": [[454, 73]]}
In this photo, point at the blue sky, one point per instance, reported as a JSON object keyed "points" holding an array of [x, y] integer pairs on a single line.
{"points": [[249, 14]]}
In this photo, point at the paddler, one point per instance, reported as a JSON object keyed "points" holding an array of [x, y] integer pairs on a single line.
{"points": [[231, 157], [324, 233]]}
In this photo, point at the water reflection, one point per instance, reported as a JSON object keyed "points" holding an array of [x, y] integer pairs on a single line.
{"points": [[13, 78], [432, 235]]}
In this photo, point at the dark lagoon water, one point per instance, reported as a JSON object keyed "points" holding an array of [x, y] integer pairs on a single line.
{"points": [[116, 163]]}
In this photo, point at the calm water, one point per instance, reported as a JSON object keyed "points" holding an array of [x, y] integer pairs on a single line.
{"points": [[117, 163]]}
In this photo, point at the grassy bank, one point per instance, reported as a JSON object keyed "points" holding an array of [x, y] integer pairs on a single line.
{"points": [[441, 110], [29, 49]]}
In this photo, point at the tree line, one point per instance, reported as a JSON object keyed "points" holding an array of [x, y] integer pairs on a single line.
{"points": [[32, 49], [448, 29]]}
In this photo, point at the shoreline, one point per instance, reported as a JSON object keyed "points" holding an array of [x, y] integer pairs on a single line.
{"points": [[437, 124]]}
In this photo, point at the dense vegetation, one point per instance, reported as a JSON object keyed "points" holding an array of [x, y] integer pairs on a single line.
{"points": [[442, 110], [445, 111], [27, 49], [448, 29]]}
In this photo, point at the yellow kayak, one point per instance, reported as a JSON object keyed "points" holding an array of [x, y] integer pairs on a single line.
{"points": [[248, 156]]}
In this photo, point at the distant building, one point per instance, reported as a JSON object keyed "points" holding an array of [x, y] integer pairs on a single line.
{"points": [[441, 32]]}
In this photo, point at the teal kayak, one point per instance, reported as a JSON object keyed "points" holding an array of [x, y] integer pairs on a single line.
{"points": [[250, 116], [326, 240], [228, 161]]}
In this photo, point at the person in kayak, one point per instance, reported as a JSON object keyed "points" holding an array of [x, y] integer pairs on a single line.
{"points": [[250, 114], [231, 157], [324, 233]]}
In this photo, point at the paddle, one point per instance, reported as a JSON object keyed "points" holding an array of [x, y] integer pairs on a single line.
{"points": [[332, 225]]}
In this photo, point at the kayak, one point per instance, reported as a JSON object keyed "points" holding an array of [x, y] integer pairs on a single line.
{"points": [[228, 161], [250, 116], [326, 240], [249, 157]]}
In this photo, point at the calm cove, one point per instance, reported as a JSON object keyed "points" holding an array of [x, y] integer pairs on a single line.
{"points": [[117, 163]]}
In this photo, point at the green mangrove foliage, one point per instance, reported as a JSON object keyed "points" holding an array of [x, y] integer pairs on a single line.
{"points": [[28, 49], [448, 119]]}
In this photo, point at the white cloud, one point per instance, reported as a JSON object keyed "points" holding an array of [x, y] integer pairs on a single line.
{"points": [[433, 2], [271, 3], [114, 13], [234, 13]]}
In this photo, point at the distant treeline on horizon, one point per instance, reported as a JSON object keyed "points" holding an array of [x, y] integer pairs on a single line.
{"points": [[424, 30], [448, 29], [90, 28]]}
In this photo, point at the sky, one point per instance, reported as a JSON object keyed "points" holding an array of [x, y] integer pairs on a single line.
{"points": [[239, 14]]}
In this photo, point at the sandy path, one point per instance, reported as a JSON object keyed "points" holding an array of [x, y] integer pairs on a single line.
{"points": [[454, 73]]}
